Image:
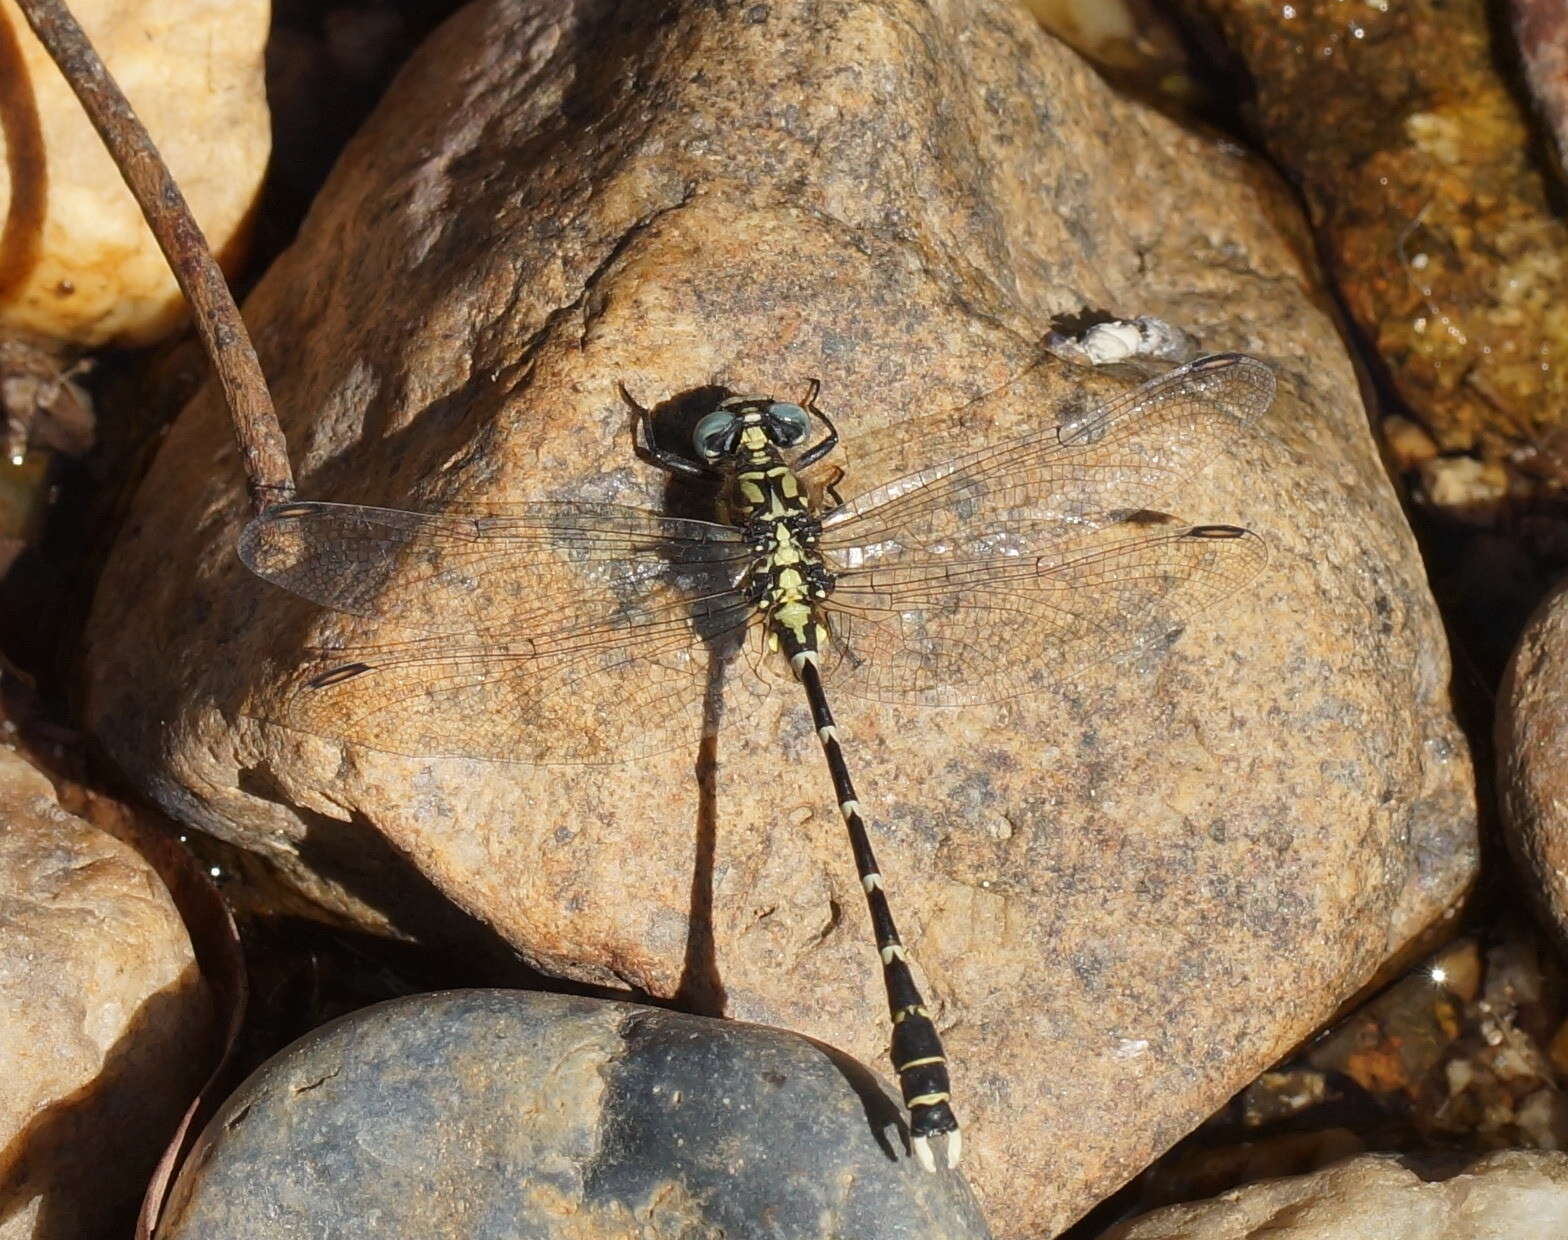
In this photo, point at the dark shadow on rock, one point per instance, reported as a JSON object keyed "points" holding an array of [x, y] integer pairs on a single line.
{"points": [[701, 988], [881, 1111], [86, 1158], [359, 859]]}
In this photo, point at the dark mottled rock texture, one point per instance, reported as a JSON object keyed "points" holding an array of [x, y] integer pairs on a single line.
{"points": [[501, 1114]]}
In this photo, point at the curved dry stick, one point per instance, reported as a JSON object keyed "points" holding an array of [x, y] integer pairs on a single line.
{"points": [[263, 452]]}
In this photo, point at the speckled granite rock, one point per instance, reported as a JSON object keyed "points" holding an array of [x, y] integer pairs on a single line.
{"points": [[1520, 1194], [1532, 739], [1417, 159], [105, 1023], [77, 262], [493, 1114], [1158, 877]]}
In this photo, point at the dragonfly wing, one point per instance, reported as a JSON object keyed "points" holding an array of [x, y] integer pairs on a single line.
{"points": [[596, 696], [966, 630], [1089, 469], [573, 634], [502, 572]]}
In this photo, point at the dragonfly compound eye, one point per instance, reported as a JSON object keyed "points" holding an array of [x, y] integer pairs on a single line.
{"points": [[714, 435], [787, 422]]}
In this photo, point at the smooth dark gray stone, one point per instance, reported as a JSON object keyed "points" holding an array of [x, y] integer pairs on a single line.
{"points": [[490, 1113]]}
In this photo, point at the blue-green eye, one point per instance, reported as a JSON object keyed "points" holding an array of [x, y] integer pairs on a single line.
{"points": [[789, 423], [714, 435]]}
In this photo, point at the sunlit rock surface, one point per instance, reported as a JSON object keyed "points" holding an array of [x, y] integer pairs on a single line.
{"points": [[1149, 880], [104, 1019], [1532, 740], [1521, 1194]]}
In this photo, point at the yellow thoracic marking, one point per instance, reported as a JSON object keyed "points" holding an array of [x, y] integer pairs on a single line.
{"points": [[918, 1063], [749, 490]]}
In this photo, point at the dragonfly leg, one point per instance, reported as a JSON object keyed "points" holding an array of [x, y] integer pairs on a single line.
{"points": [[830, 489], [648, 448], [819, 450]]}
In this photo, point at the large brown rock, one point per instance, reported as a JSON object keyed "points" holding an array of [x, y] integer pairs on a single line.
{"points": [[1532, 737], [1147, 883], [105, 1022]]}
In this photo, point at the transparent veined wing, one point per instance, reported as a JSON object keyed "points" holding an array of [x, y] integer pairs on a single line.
{"points": [[509, 570], [558, 633], [1014, 566], [1086, 469]]}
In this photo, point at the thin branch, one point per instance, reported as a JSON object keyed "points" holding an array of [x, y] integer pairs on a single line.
{"points": [[263, 452]]}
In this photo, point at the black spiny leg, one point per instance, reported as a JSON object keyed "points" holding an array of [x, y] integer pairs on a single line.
{"points": [[647, 447], [817, 451], [830, 489], [917, 1048]]}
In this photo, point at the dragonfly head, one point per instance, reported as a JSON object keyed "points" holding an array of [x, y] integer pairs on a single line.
{"points": [[749, 422]]}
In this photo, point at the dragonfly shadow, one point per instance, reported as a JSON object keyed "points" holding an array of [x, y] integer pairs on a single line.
{"points": [[882, 1113], [701, 989], [671, 423]]}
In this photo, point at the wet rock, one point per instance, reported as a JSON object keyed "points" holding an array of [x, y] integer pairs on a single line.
{"points": [[77, 262], [1419, 166], [104, 1019], [1532, 736], [1516, 1193], [1157, 876], [487, 1113]]}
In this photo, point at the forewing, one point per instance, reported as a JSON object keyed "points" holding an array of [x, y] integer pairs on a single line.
{"points": [[517, 571], [573, 634], [1085, 471], [952, 632]]}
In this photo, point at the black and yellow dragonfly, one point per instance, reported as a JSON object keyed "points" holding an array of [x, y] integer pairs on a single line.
{"points": [[582, 633]]}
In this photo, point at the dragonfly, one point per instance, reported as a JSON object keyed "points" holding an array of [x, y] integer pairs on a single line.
{"points": [[582, 633]]}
